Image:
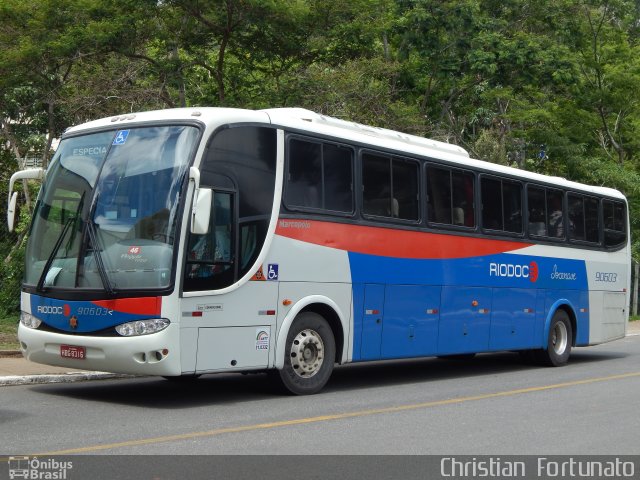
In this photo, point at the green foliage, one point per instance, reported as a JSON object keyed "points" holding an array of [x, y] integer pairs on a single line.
{"points": [[13, 270], [9, 333], [12, 255]]}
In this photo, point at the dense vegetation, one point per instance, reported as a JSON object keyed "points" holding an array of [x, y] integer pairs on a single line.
{"points": [[544, 85]]}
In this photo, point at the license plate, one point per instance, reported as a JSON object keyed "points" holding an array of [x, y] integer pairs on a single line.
{"points": [[73, 351]]}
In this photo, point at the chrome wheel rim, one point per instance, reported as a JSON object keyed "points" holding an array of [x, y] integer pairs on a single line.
{"points": [[307, 353], [559, 338]]}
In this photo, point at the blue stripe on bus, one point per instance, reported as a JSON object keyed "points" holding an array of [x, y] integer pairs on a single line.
{"points": [[415, 307]]}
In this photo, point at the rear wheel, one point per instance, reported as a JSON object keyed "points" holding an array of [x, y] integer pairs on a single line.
{"points": [[310, 355], [558, 342]]}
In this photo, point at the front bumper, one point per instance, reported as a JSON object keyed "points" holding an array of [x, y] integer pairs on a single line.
{"points": [[154, 354]]}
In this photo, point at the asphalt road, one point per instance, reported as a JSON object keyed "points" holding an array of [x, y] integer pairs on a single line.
{"points": [[493, 404]]}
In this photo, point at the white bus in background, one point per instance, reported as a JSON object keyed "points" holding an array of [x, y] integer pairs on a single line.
{"points": [[193, 241]]}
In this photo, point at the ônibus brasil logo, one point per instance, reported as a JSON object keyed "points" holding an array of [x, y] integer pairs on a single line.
{"points": [[514, 270]]}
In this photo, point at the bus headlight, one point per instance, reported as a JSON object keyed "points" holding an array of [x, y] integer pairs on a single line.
{"points": [[29, 320], [142, 327]]}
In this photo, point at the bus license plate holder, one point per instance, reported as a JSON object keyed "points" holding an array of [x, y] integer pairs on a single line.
{"points": [[73, 351]]}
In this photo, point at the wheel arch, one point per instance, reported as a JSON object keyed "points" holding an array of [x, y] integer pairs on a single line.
{"points": [[324, 307], [569, 309]]}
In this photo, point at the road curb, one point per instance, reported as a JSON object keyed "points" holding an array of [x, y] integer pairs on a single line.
{"points": [[10, 353], [58, 378]]}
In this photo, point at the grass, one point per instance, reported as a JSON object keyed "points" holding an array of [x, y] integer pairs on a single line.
{"points": [[9, 333]]}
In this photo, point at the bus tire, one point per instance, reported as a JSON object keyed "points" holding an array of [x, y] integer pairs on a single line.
{"points": [[558, 342], [309, 355]]}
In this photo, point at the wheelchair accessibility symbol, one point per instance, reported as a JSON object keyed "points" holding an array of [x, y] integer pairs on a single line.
{"points": [[121, 137], [272, 271]]}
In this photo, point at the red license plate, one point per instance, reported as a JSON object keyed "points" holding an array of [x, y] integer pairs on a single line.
{"points": [[73, 351]]}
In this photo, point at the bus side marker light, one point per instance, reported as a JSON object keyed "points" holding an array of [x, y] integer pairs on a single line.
{"points": [[286, 302], [474, 303]]}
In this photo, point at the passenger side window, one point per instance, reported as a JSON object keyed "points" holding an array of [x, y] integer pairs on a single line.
{"points": [[614, 223], [390, 187], [210, 256], [546, 212], [450, 197], [320, 176], [338, 178], [240, 166], [501, 205], [304, 188], [555, 213], [583, 218], [537, 212]]}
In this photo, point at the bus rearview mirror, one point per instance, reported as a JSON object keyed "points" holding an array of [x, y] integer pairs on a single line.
{"points": [[11, 211], [30, 173], [201, 212]]}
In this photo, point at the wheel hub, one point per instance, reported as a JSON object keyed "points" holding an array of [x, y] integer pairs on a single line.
{"points": [[307, 353], [559, 338]]}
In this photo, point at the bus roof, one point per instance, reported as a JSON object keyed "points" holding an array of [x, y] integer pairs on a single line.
{"points": [[301, 119]]}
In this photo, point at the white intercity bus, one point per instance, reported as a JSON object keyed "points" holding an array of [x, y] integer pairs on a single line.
{"points": [[202, 240]]}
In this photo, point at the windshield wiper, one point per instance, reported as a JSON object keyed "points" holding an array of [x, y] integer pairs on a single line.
{"points": [[93, 238], [52, 256]]}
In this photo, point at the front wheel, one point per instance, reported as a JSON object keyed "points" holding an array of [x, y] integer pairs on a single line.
{"points": [[558, 342], [309, 356]]}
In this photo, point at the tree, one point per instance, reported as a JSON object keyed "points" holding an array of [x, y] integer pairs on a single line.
{"points": [[610, 69]]}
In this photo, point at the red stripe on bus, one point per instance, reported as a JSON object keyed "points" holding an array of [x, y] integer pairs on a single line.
{"points": [[386, 242], [135, 306]]}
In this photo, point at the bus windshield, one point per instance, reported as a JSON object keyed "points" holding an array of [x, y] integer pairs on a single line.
{"points": [[107, 213]]}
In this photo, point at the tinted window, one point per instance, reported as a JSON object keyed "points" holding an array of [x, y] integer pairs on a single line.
{"points": [[389, 187], [320, 176], [546, 212], [583, 218], [555, 214], [614, 223], [338, 178], [592, 219], [501, 205], [537, 211], [305, 174], [450, 197], [405, 189], [241, 159], [209, 258]]}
